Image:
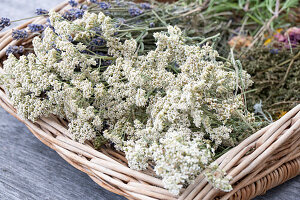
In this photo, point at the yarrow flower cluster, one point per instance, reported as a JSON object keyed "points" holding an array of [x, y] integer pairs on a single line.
{"points": [[171, 106], [217, 177]]}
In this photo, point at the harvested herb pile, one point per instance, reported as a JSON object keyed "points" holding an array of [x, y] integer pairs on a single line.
{"points": [[276, 77]]}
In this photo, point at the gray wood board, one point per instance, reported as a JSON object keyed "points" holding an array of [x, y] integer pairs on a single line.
{"points": [[31, 170]]}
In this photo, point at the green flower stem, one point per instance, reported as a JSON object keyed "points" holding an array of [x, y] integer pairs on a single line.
{"points": [[158, 17], [91, 7], [143, 28], [141, 36], [209, 38], [28, 18], [137, 17], [243, 118], [106, 58], [101, 57]]}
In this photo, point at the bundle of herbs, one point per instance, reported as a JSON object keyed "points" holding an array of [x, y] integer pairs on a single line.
{"points": [[265, 37], [143, 79], [275, 71]]}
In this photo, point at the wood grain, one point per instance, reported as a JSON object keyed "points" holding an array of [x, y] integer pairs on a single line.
{"points": [[31, 170]]}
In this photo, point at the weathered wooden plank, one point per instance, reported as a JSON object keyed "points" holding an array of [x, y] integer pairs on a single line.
{"points": [[31, 170]]}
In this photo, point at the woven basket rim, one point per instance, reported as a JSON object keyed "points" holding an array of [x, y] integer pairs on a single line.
{"points": [[265, 159]]}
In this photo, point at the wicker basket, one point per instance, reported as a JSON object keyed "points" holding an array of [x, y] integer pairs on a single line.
{"points": [[264, 160]]}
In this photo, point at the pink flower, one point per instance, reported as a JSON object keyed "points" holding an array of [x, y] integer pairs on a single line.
{"points": [[279, 37]]}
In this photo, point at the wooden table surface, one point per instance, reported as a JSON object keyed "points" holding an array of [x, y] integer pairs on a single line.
{"points": [[30, 170]]}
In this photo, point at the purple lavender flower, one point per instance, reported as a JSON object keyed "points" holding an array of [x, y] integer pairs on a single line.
{"points": [[119, 3], [19, 34], [84, 7], [104, 62], [151, 25], [73, 3], [79, 13], [146, 6], [98, 41], [40, 11], [135, 11], [274, 51], [70, 38], [48, 24], [73, 13], [94, 1], [104, 5], [35, 27], [107, 13], [48, 21], [121, 21], [55, 47], [4, 22], [97, 30], [15, 50]]}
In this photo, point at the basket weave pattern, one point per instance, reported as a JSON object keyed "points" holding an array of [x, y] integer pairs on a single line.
{"points": [[264, 160]]}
